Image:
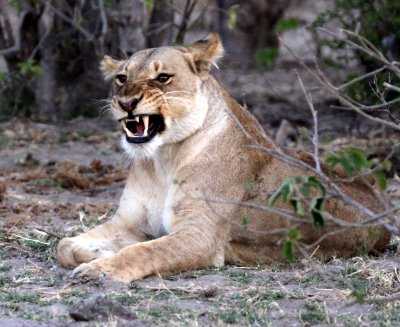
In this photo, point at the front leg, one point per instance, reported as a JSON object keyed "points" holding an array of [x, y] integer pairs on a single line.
{"points": [[101, 242], [193, 246]]}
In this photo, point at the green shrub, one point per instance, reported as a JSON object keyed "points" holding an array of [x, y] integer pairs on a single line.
{"points": [[379, 22]]}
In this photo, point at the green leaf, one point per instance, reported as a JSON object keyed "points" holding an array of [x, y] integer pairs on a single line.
{"points": [[285, 191], [232, 16], [149, 4], [245, 222], [266, 56], [314, 181], [346, 164], [288, 250], [352, 160], [292, 236], [380, 178], [331, 160], [317, 205], [30, 68], [273, 198], [358, 159], [297, 206], [359, 295], [287, 24], [387, 165]]}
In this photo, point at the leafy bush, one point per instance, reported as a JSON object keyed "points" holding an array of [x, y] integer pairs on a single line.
{"points": [[16, 89], [376, 20]]}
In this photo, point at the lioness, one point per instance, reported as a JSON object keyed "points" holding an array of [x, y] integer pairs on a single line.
{"points": [[187, 139]]}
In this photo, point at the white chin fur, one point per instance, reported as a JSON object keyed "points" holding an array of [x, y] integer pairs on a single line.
{"points": [[141, 151]]}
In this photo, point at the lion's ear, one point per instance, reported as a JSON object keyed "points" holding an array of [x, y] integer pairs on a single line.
{"points": [[109, 67], [207, 52]]}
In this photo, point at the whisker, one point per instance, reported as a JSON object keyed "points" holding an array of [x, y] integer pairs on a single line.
{"points": [[179, 92], [178, 100], [173, 97], [148, 106]]}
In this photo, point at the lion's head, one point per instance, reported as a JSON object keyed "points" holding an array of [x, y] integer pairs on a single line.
{"points": [[157, 93]]}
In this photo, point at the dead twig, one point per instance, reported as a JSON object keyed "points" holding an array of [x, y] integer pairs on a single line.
{"points": [[315, 120]]}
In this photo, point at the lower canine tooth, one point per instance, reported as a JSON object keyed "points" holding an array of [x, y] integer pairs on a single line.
{"points": [[127, 131]]}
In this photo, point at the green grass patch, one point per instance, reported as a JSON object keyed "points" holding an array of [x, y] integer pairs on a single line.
{"points": [[17, 297], [311, 279], [167, 314], [387, 314], [5, 281], [5, 268], [128, 298], [46, 248], [314, 314], [239, 277]]}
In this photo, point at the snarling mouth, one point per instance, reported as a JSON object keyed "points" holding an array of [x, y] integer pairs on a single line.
{"points": [[142, 128]]}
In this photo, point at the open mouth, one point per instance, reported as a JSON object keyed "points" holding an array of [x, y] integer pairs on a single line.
{"points": [[142, 128]]}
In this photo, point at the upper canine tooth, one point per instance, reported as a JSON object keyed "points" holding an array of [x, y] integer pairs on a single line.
{"points": [[146, 124], [136, 119]]}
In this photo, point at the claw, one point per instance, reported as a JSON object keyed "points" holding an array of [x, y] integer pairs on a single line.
{"points": [[86, 270]]}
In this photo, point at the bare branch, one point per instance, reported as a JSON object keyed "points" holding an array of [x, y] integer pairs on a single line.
{"points": [[17, 36], [324, 81], [362, 77], [89, 37], [371, 108], [391, 87], [103, 17], [314, 115]]}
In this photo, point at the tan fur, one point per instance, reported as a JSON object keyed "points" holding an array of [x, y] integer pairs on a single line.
{"points": [[164, 224]]}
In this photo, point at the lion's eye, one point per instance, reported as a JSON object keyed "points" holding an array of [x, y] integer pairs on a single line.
{"points": [[121, 78], [163, 78]]}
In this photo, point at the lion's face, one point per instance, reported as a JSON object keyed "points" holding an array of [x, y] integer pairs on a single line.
{"points": [[157, 94]]}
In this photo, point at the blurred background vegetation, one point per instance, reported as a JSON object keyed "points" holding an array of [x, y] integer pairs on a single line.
{"points": [[50, 50]]}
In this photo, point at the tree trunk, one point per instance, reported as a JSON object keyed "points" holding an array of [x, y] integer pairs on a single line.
{"points": [[254, 29], [160, 29], [68, 39]]}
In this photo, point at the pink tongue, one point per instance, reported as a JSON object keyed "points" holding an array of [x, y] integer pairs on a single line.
{"points": [[139, 129]]}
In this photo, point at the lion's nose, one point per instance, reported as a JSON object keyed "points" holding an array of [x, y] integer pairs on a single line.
{"points": [[129, 105]]}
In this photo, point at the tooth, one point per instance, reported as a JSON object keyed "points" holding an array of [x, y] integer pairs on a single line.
{"points": [[136, 119], [128, 132], [146, 124]]}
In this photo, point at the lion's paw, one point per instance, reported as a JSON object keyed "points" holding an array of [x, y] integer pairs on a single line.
{"points": [[71, 252], [86, 271], [100, 268]]}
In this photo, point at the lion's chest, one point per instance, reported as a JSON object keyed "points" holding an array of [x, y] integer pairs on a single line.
{"points": [[159, 211], [150, 200]]}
